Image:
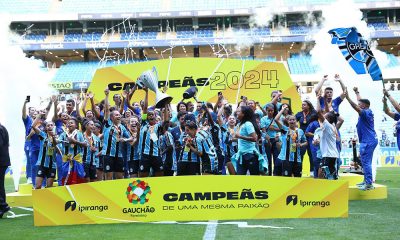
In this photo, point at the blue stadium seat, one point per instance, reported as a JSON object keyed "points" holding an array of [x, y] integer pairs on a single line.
{"points": [[114, 6], [301, 64], [83, 71]]}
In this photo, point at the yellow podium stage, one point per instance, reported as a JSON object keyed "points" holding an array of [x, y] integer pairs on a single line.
{"points": [[23, 198]]}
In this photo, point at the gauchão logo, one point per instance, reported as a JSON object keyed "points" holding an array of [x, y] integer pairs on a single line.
{"points": [[70, 204], [138, 192], [291, 199]]}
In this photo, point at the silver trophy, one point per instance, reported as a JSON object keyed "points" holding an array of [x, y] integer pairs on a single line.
{"points": [[139, 82], [149, 79]]}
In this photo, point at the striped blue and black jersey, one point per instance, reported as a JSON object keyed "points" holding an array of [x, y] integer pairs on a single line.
{"points": [[186, 154], [167, 141], [229, 147], [69, 148], [132, 151], [216, 135], [47, 152], [149, 139], [204, 138], [111, 135], [88, 156]]}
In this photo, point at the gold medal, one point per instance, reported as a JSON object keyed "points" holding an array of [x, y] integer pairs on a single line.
{"points": [[50, 151]]}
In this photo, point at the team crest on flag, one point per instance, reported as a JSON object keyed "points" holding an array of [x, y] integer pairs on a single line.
{"points": [[356, 51]]}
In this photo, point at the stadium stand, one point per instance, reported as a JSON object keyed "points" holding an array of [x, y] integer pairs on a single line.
{"points": [[95, 6], [301, 64], [84, 71], [37, 37], [379, 26], [24, 6], [76, 36], [299, 30]]}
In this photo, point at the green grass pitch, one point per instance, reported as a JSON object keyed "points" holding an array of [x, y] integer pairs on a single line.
{"points": [[368, 219]]}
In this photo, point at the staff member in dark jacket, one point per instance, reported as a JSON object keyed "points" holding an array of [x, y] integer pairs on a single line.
{"points": [[4, 163]]}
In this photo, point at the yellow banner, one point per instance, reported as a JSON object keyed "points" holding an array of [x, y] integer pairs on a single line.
{"points": [[234, 78], [190, 198]]}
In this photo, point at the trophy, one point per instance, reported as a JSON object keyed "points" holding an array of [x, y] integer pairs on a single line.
{"points": [[139, 82], [190, 93], [149, 79]]}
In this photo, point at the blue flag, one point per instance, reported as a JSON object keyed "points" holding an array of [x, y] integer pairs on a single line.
{"points": [[356, 51]]}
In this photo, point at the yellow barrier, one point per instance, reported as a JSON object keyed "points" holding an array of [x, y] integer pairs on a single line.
{"points": [[190, 198], [234, 78]]}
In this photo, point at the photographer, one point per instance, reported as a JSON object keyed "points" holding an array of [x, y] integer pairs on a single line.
{"points": [[4, 163]]}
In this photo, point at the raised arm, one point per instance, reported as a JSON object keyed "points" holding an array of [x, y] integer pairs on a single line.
{"points": [[78, 112], [394, 103], [275, 100], [338, 79], [35, 124], [122, 105], [55, 103], [386, 108], [146, 100], [83, 107], [93, 105], [24, 115], [48, 107], [219, 116], [130, 94], [321, 117], [220, 97], [166, 113], [355, 89], [319, 85], [278, 117], [352, 104], [106, 105]]}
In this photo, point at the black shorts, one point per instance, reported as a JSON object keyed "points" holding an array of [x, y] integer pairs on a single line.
{"points": [[113, 164], [133, 167], [188, 168], [101, 163], [90, 171], [205, 164], [289, 168], [45, 172], [147, 162]]}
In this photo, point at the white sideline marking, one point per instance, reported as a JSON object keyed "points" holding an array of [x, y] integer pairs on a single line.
{"points": [[246, 225], [13, 215], [211, 230], [239, 224], [370, 214], [27, 209]]}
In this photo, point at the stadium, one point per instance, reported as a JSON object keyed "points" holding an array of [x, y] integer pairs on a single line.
{"points": [[71, 48]]}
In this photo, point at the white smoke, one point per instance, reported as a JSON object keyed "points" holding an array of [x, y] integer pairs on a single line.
{"points": [[263, 16], [20, 76], [327, 56]]}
